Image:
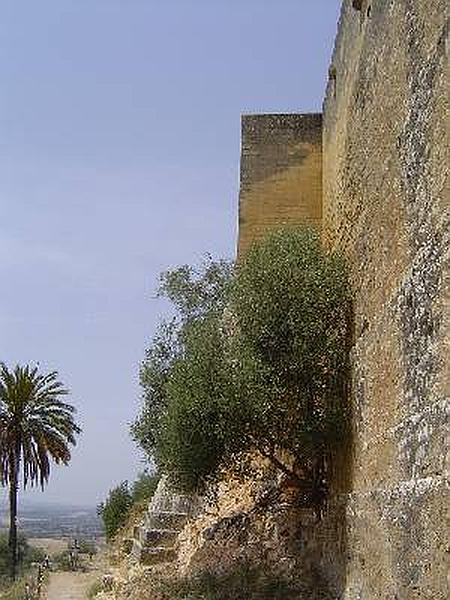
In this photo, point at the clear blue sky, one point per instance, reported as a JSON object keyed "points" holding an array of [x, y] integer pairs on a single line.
{"points": [[119, 157]]}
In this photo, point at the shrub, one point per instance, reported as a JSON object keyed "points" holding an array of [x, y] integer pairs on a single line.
{"points": [[87, 546], [291, 305], [257, 360], [144, 487], [194, 293], [18, 590], [114, 511], [62, 561], [201, 419]]}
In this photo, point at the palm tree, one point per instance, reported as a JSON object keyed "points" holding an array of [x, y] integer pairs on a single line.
{"points": [[35, 426]]}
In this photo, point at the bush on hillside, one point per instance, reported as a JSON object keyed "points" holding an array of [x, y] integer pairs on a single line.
{"points": [[195, 293], [114, 511], [291, 305], [95, 589], [258, 361], [87, 546], [144, 487], [22, 589], [204, 420]]}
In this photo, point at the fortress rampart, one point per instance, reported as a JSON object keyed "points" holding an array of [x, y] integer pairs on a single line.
{"points": [[372, 174]]}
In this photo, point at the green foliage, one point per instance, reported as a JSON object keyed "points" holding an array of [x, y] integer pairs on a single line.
{"points": [[87, 546], [196, 426], [195, 294], [144, 487], [291, 305], [243, 582], [154, 374], [62, 561], [114, 511], [18, 590], [27, 555], [256, 361], [35, 424]]}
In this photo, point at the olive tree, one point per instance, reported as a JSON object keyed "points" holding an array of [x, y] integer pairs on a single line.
{"points": [[255, 359], [183, 349], [291, 304]]}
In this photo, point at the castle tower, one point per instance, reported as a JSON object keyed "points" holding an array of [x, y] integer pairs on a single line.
{"points": [[281, 173]]}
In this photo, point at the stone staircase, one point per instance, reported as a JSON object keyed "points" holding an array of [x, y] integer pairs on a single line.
{"points": [[156, 537]]}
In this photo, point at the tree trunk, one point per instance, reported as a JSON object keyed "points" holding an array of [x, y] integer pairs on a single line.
{"points": [[13, 491]]}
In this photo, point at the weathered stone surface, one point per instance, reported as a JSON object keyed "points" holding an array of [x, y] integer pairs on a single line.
{"points": [[281, 173], [155, 539], [158, 537], [256, 520], [166, 520], [154, 556], [385, 205]]}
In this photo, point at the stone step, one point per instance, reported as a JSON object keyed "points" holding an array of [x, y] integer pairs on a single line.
{"points": [[136, 550], [151, 556], [166, 520], [171, 502], [158, 537]]}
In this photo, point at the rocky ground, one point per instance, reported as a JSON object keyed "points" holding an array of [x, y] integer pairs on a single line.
{"points": [[252, 521]]}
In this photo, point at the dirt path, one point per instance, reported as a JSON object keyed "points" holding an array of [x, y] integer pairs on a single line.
{"points": [[70, 586]]}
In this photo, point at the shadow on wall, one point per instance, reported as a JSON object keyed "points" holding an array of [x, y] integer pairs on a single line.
{"points": [[325, 546]]}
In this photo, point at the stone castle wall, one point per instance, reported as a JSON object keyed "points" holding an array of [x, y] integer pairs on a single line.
{"points": [[385, 204], [386, 207]]}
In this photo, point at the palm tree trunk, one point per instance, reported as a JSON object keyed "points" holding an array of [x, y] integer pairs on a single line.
{"points": [[13, 491]]}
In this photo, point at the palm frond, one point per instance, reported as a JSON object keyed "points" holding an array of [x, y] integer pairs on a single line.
{"points": [[36, 426]]}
